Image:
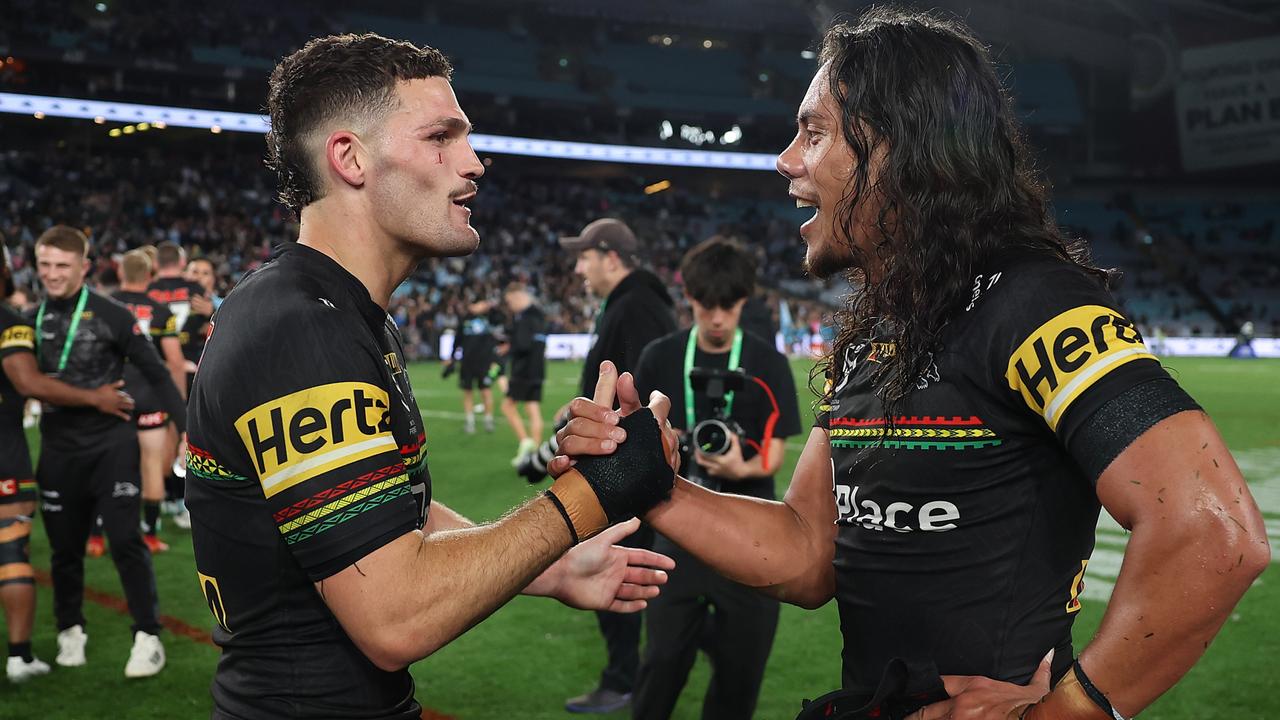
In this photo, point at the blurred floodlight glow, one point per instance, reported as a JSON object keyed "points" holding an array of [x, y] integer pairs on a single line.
{"points": [[160, 116]]}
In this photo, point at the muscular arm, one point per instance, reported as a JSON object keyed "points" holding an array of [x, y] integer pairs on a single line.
{"points": [[414, 595], [143, 354], [172, 350], [783, 548], [27, 379], [1198, 542]]}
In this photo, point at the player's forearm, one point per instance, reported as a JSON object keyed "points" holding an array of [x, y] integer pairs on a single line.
{"points": [[432, 588], [1176, 589], [760, 543], [176, 364], [46, 389]]}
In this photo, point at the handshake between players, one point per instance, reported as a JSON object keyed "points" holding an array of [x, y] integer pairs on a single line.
{"points": [[623, 462]]}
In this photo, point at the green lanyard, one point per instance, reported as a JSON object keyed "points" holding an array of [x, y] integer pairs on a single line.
{"points": [[734, 355], [71, 330]]}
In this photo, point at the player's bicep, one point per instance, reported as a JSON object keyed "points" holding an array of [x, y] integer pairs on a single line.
{"points": [[22, 371], [811, 497], [1178, 476], [811, 493], [363, 594]]}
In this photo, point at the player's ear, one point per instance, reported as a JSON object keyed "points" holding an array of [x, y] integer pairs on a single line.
{"points": [[346, 157]]}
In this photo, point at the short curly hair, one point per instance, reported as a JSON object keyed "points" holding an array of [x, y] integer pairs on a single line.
{"points": [[332, 77], [718, 272]]}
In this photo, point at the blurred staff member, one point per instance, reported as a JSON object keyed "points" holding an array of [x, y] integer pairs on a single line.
{"points": [[986, 399], [527, 355], [699, 608], [21, 378], [476, 358], [156, 438], [635, 310], [88, 460], [204, 273]]}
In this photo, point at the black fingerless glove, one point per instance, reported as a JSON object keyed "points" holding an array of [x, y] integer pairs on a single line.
{"points": [[602, 490]]}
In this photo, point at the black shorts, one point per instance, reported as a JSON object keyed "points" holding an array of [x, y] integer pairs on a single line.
{"points": [[472, 377], [151, 420], [17, 484], [523, 390], [148, 411]]}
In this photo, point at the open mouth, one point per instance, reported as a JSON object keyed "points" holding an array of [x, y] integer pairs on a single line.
{"points": [[464, 200], [804, 202]]}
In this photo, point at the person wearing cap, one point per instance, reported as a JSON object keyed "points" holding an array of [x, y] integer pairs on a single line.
{"points": [[635, 310]]}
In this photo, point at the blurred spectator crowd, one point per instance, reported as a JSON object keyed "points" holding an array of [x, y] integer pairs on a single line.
{"points": [[220, 206]]}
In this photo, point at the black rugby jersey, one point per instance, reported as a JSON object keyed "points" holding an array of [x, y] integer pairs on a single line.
{"points": [[106, 337], [306, 453], [16, 336], [529, 345], [156, 322], [964, 530], [193, 328], [476, 343]]}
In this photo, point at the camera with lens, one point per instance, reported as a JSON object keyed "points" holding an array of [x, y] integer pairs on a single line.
{"points": [[711, 436]]}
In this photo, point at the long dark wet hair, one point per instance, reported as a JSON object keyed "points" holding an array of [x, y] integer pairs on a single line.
{"points": [[956, 186]]}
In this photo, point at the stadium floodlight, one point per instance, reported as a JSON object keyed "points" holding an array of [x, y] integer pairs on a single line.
{"points": [[160, 116]]}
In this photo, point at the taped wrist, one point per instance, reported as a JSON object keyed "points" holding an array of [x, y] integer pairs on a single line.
{"points": [[1073, 698], [606, 489]]}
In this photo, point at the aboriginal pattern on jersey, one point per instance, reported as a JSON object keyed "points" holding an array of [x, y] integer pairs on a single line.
{"points": [[203, 465], [332, 506], [914, 433], [415, 454]]}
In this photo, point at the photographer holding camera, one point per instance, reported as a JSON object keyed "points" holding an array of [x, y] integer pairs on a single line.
{"points": [[734, 399]]}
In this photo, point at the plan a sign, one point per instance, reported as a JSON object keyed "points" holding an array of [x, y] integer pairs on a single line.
{"points": [[1229, 104]]}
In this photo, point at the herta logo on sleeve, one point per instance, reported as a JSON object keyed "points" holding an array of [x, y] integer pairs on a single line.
{"points": [[304, 434], [1068, 354], [20, 336]]}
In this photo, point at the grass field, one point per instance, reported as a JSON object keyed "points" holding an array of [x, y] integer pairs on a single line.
{"points": [[525, 660]]}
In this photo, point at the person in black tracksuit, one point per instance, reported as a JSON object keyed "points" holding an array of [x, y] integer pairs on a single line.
{"points": [[733, 623], [20, 378], [89, 459], [636, 310]]}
